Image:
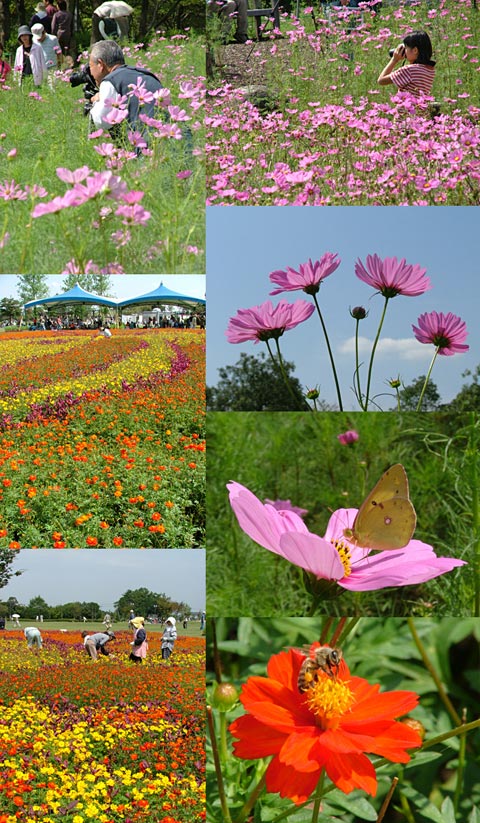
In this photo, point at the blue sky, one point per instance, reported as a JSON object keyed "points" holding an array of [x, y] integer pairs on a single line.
{"points": [[246, 243], [103, 575], [124, 285]]}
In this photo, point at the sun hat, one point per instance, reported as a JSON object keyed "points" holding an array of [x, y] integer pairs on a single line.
{"points": [[137, 622], [24, 30], [38, 29]]}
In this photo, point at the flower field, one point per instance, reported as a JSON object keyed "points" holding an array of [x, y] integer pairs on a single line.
{"points": [[329, 135], [72, 200], [101, 741], [101, 441]]}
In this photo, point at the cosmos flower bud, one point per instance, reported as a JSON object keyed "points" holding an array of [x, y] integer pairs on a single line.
{"points": [[358, 313], [225, 696]]}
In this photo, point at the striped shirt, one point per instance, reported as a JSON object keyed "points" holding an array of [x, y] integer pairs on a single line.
{"points": [[415, 78]]}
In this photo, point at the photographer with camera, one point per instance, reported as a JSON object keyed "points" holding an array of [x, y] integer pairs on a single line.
{"points": [[416, 77], [90, 88], [115, 80]]}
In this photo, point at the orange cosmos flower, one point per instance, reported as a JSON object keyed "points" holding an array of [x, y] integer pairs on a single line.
{"points": [[330, 726]]}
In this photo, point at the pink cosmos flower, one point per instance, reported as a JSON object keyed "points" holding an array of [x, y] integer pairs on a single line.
{"points": [[308, 277], [391, 276], [348, 437], [116, 116], [286, 506], [333, 557], [178, 114], [266, 321], [75, 176], [57, 204], [446, 331], [133, 214], [11, 154]]}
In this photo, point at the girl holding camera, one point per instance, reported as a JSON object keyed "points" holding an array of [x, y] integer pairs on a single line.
{"points": [[418, 75]]}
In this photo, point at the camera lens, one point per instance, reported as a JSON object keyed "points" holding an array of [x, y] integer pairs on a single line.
{"points": [[391, 51]]}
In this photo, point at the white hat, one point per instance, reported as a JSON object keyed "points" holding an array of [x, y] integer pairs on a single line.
{"points": [[38, 29]]}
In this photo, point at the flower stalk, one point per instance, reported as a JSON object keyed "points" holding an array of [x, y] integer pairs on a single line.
{"points": [[330, 353], [420, 399], [364, 405], [218, 769]]}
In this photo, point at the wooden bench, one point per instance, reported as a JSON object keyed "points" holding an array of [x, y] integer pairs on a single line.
{"points": [[258, 13]]}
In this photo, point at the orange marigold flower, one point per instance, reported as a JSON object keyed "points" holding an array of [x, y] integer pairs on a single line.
{"points": [[331, 726], [192, 465], [117, 541], [59, 544], [14, 545], [139, 523], [56, 536], [103, 524], [91, 541], [3, 532], [169, 504], [156, 516]]}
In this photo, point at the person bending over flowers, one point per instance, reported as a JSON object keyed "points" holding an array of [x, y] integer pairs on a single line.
{"points": [[416, 77]]}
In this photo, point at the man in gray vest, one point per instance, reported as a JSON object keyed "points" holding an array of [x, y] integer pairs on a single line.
{"points": [[114, 80]]}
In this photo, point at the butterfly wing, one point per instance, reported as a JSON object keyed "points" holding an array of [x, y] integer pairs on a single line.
{"points": [[386, 519]]}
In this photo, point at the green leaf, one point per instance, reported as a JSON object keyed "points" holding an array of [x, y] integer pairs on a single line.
{"points": [[448, 811]]}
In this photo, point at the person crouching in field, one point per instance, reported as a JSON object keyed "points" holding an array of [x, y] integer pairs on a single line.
{"points": [[33, 637], [139, 643], [115, 80], [5, 68], [97, 642], [29, 58], [168, 637], [418, 75]]}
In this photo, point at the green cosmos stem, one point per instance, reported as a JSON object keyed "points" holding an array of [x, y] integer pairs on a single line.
{"points": [[357, 361], [218, 769], [475, 510], [372, 356], [252, 799], [318, 797], [419, 405], [330, 353], [279, 365], [431, 670]]}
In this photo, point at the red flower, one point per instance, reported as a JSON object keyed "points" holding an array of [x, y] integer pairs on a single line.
{"points": [[330, 726], [91, 541]]}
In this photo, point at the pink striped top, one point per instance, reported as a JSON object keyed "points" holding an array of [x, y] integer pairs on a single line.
{"points": [[415, 78]]}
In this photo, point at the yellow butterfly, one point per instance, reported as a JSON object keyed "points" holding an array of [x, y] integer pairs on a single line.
{"points": [[386, 519]]}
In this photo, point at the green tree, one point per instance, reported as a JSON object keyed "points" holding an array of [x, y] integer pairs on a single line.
{"points": [[10, 310], [143, 602], [7, 556], [410, 395], [37, 606], [255, 384], [32, 287], [468, 398]]}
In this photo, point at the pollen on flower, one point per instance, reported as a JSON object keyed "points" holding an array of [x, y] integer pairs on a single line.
{"points": [[329, 699], [345, 555]]}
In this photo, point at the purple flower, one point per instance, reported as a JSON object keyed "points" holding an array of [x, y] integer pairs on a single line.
{"points": [[348, 437], [267, 321], [333, 557], [308, 277], [446, 331], [286, 506], [391, 276]]}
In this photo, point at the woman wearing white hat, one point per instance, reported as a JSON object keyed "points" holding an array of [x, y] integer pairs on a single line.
{"points": [[168, 637]]}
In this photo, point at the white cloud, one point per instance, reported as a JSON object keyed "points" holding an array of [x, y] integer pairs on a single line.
{"points": [[404, 348]]}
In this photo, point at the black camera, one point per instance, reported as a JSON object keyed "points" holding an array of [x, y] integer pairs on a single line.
{"points": [[89, 85], [392, 51]]}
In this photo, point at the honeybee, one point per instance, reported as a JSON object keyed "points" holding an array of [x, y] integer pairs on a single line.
{"points": [[323, 659]]}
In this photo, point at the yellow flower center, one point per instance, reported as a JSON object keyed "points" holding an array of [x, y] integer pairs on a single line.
{"points": [[329, 699], [344, 554]]}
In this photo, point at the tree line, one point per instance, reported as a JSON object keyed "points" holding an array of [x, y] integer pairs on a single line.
{"points": [[141, 601]]}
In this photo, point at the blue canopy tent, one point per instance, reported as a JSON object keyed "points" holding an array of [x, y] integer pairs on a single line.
{"points": [[161, 295], [75, 296]]}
